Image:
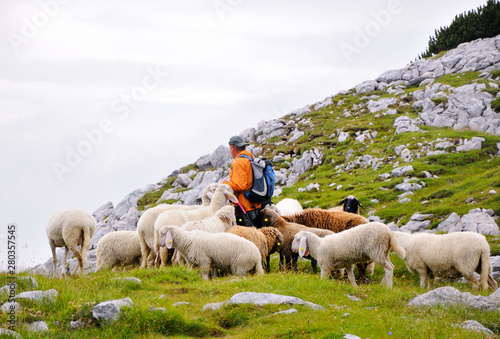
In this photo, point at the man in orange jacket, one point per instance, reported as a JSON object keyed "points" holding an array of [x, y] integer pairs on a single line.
{"points": [[240, 180]]}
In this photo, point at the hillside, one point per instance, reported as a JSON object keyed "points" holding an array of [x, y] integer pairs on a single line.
{"points": [[420, 141], [419, 146]]}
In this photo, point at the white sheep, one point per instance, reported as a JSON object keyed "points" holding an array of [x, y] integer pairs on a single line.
{"points": [[222, 195], [70, 229], [289, 206], [145, 225], [211, 251], [366, 242], [445, 255], [223, 220], [118, 248]]}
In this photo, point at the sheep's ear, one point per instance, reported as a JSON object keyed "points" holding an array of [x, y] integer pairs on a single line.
{"points": [[168, 240], [302, 246], [210, 195], [342, 202], [232, 198]]}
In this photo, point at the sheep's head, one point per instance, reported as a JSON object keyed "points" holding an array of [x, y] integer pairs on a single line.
{"points": [[274, 236], [351, 204], [268, 217], [226, 215], [299, 244], [228, 192], [166, 239]]}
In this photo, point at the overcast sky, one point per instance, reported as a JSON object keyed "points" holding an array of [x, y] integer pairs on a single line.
{"points": [[98, 98]]}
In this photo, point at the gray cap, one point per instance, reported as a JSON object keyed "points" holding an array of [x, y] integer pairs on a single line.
{"points": [[237, 141]]}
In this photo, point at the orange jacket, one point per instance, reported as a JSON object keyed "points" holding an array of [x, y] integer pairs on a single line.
{"points": [[240, 180]]}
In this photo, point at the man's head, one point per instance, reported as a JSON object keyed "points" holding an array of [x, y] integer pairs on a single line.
{"points": [[236, 145]]}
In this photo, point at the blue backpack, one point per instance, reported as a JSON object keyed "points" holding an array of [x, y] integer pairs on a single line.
{"points": [[262, 180]]}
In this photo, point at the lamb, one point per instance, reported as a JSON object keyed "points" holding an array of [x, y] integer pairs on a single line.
{"points": [[70, 229], [211, 251], [223, 220], [222, 195], [445, 255], [335, 221], [371, 241], [289, 206], [267, 239], [145, 226], [118, 248], [288, 259], [350, 204]]}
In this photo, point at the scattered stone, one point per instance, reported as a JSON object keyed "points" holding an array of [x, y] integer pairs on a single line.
{"points": [[76, 324], [476, 326], [10, 333], [180, 303], [289, 311], [38, 296], [450, 296], [9, 306], [110, 310], [261, 299], [38, 326], [401, 171], [353, 298], [130, 279]]}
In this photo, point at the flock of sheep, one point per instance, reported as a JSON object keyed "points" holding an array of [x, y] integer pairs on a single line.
{"points": [[206, 236]]}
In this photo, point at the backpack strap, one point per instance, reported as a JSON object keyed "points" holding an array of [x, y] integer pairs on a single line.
{"points": [[245, 156]]}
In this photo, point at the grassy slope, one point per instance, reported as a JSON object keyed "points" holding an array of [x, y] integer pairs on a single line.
{"points": [[380, 311]]}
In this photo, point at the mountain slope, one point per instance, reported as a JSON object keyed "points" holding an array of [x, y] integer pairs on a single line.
{"points": [[423, 138]]}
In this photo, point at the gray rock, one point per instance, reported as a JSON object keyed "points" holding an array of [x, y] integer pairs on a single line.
{"points": [[261, 299], [405, 124], [104, 211], [401, 171], [76, 324], [408, 187], [129, 279], [4, 332], [351, 336], [448, 223], [98, 235], [289, 311], [180, 303], [183, 180], [449, 296], [469, 145], [110, 310], [10, 306], [476, 326], [366, 87], [343, 136], [295, 136], [204, 163], [38, 327], [221, 157], [248, 134], [478, 221], [38, 296], [270, 129]]}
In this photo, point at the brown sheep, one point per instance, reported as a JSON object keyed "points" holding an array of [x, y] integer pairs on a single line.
{"points": [[336, 221], [267, 239], [289, 229]]}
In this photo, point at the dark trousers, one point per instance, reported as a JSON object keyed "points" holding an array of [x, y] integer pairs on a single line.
{"points": [[250, 218]]}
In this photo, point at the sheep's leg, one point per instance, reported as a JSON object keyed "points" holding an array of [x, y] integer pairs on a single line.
{"points": [[145, 253], [350, 276], [370, 268], [268, 263], [472, 279], [163, 257], [314, 264], [63, 261], [424, 278], [281, 264], [492, 282], [150, 260], [54, 257], [325, 272], [388, 269], [294, 261]]}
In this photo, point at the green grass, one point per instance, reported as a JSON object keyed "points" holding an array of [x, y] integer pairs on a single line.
{"points": [[379, 311]]}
